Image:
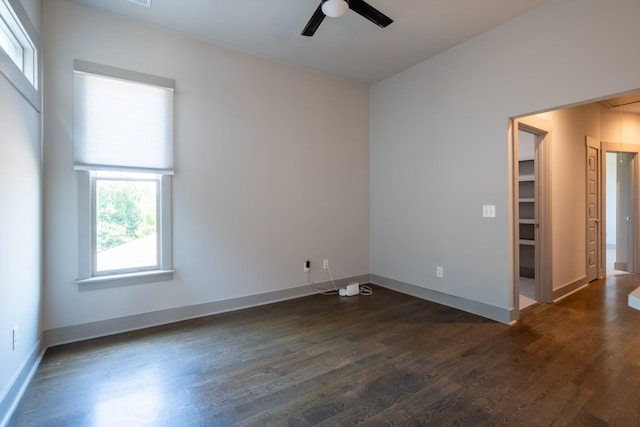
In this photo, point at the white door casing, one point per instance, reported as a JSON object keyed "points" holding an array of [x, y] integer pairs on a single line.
{"points": [[633, 256]]}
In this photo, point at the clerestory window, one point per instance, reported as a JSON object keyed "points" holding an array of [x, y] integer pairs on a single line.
{"points": [[16, 43]]}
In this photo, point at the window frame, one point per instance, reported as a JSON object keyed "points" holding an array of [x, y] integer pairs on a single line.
{"points": [[12, 44], [94, 176], [86, 199], [86, 237], [21, 70]]}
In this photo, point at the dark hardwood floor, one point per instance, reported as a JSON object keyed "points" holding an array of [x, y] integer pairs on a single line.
{"points": [[387, 359]]}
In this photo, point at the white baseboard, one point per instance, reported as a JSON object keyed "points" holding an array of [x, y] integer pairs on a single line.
{"points": [[97, 329], [19, 383], [568, 288], [499, 314], [102, 328]]}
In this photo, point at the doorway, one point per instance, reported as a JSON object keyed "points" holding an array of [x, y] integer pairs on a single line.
{"points": [[531, 138], [527, 148], [616, 124], [621, 212]]}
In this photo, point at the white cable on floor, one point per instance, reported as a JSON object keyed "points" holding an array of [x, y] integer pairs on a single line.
{"points": [[366, 290], [363, 290]]}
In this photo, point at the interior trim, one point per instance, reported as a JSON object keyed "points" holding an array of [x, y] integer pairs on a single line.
{"points": [[569, 288], [499, 314], [120, 73], [12, 73], [21, 380], [73, 333]]}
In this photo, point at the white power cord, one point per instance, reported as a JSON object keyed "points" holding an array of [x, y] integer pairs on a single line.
{"points": [[322, 291], [331, 277], [364, 290]]}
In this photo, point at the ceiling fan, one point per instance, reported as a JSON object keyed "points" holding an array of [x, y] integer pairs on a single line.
{"points": [[337, 8]]}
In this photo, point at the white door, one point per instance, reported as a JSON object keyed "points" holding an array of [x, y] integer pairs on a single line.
{"points": [[593, 209]]}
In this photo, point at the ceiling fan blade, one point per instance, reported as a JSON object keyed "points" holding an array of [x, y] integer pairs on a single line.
{"points": [[371, 13], [314, 22]]}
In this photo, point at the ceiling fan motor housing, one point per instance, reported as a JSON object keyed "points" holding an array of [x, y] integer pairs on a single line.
{"points": [[334, 8]]}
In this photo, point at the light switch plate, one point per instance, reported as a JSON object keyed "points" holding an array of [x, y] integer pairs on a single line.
{"points": [[489, 211]]}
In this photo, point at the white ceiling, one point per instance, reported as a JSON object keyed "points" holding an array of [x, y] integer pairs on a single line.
{"points": [[349, 47]]}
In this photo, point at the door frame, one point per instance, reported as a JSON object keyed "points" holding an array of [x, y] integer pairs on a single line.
{"points": [[616, 147], [591, 142], [541, 128]]}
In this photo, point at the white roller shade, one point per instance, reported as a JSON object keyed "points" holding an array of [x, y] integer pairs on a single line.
{"points": [[122, 120]]}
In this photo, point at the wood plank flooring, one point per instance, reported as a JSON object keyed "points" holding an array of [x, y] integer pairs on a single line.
{"points": [[381, 360]]}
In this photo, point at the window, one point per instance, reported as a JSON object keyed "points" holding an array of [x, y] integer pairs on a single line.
{"points": [[10, 45], [125, 222], [123, 150], [15, 42]]}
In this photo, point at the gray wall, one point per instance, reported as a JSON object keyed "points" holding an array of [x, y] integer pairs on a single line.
{"points": [[570, 126], [272, 168], [20, 229], [439, 140]]}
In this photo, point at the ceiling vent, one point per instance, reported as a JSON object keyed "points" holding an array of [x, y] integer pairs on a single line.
{"points": [[146, 3]]}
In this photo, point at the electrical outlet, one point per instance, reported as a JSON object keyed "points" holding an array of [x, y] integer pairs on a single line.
{"points": [[15, 337], [307, 266], [439, 271], [325, 264]]}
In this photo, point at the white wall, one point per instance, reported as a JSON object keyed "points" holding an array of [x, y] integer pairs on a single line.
{"points": [[272, 168], [33, 8], [439, 138], [20, 230], [526, 145], [570, 126], [620, 127]]}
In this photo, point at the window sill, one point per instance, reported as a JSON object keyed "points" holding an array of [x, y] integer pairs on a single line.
{"points": [[129, 278]]}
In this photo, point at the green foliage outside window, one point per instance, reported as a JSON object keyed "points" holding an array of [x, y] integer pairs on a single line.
{"points": [[125, 211]]}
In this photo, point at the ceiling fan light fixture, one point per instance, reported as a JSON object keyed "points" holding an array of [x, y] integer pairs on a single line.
{"points": [[335, 8]]}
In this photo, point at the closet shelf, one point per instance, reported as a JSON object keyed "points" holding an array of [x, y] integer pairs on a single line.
{"points": [[527, 212]]}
